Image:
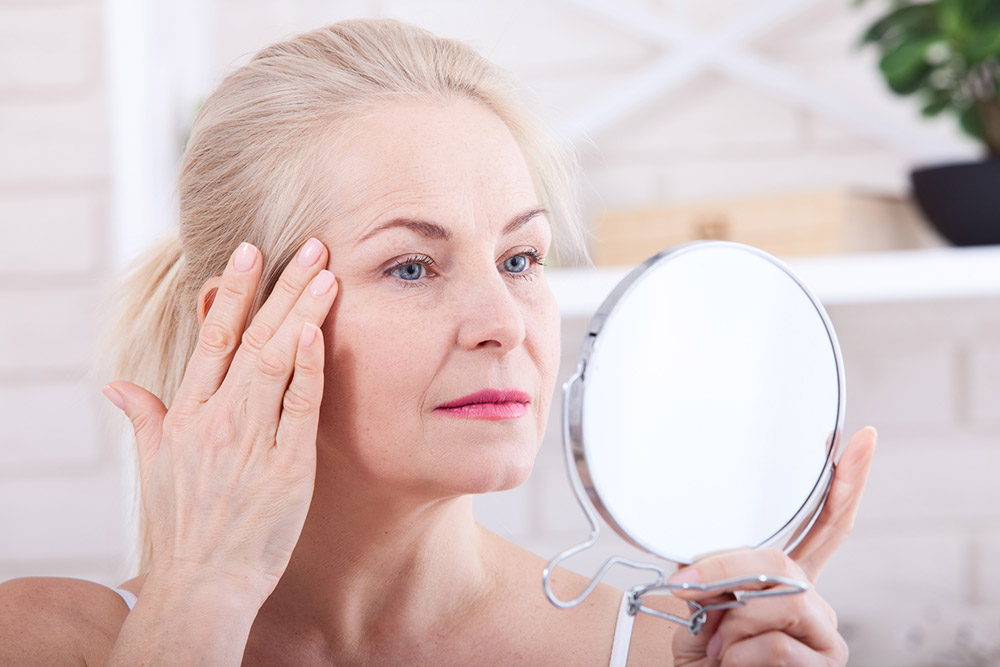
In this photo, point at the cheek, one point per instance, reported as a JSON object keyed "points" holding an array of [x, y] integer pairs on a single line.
{"points": [[546, 341], [376, 358]]}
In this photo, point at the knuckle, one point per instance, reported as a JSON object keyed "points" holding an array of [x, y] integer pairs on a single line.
{"points": [[257, 335], [216, 339], [297, 404], [171, 426], [781, 648], [776, 646], [796, 608], [228, 290], [217, 431], [735, 658], [143, 423], [841, 650], [778, 560], [830, 612], [273, 364], [286, 289], [310, 364]]}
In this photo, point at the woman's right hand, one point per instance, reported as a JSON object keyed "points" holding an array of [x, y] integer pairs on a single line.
{"points": [[227, 473]]}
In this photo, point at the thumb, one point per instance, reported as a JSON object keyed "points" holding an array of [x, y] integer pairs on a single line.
{"points": [[146, 413]]}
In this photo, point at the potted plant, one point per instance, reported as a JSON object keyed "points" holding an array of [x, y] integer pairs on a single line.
{"points": [[947, 52]]}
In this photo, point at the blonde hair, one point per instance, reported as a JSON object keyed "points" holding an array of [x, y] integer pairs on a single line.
{"points": [[248, 174]]}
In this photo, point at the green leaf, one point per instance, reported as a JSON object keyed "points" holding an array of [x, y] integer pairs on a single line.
{"points": [[955, 20], [972, 124], [984, 43], [904, 22], [906, 68], [936, 107]]}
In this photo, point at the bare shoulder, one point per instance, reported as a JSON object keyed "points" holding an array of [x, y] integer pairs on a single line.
{"points": [[58, 621], [546, 634], [651, 641], [590, 627]]}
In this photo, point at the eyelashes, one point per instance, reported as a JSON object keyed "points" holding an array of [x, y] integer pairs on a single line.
{"points": [[415, 270], [532, 254], [403, 269]]}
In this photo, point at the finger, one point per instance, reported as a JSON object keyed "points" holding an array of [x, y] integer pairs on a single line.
{"points": [[805, 616], [146, 413], [692, 649], [836, 520], [279, 357], [777, 648], [220, 334], [301, 403], [311, 258], [732, 565]]}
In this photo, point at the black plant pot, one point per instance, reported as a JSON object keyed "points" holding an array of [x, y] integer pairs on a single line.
{"points": [[961, 200]]}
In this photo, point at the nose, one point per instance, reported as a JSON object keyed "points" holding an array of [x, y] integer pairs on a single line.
{"points": [[490, 315]]}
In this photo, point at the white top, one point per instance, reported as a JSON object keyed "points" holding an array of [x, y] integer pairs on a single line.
{"points": [[619, 646], [128, 596], [623, 634]]}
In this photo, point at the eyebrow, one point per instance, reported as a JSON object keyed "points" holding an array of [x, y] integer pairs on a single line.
{"points": [[436, 232]]}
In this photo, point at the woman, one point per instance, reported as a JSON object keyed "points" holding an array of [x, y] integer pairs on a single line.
{"points": [[307, 493]]}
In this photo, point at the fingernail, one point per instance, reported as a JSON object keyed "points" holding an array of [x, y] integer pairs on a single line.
{"points": [[322, 283], [308, 336], [688, 575], [114, 396], [244, 257], [714, 646], [310, 252]]}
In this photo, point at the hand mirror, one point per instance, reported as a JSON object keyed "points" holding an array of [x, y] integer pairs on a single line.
{"points": [[704, 415]]}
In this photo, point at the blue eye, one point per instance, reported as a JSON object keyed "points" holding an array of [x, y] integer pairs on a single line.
{"points": [[410, 272], [516, 264]]}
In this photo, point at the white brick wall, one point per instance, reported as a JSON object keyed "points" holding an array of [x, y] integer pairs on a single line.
{"points": [[27, 37], [53, 428], [55, 141], [982, 403], [51, 231], [916, 582], [47, 330], [61, 509]]}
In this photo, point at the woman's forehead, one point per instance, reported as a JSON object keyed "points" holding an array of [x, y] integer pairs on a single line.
{"points": [[411, 157]]}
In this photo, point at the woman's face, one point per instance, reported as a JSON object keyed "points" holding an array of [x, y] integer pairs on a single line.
{"points": [[441, 297]]}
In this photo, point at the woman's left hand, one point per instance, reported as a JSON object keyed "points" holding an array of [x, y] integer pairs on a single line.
{"points": [[796, 629]]}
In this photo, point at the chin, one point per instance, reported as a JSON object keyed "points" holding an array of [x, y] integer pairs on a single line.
{"points": [[502, 469]]}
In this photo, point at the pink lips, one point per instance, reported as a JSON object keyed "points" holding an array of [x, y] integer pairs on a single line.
{"points": [[492, 404]]}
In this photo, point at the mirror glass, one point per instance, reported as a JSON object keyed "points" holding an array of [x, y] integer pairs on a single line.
{"points": [[709, 404]]}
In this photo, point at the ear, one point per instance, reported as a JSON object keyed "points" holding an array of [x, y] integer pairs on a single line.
{"points": [[207, 297]]}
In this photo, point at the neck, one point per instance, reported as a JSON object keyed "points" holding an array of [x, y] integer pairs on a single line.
{"points": [[375, 562]]}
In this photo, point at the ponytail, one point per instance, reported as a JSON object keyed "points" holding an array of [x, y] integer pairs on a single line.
{"points": [[153, 331], [155, 323]]}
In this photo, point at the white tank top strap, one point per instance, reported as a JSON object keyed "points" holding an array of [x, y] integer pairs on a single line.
{"points": [[129, 597], [623, 634]]}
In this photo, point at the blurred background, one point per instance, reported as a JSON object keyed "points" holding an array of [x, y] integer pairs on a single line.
{"points": [[755, 120]]}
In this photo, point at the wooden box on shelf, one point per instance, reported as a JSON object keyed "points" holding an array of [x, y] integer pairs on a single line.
{"points": [[796, 224]]}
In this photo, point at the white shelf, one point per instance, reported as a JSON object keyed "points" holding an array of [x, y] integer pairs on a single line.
{"points": [[884, 277]]}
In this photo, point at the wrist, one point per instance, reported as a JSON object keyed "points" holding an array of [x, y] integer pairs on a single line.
{"points": [[186, 616], [203, 588]]}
